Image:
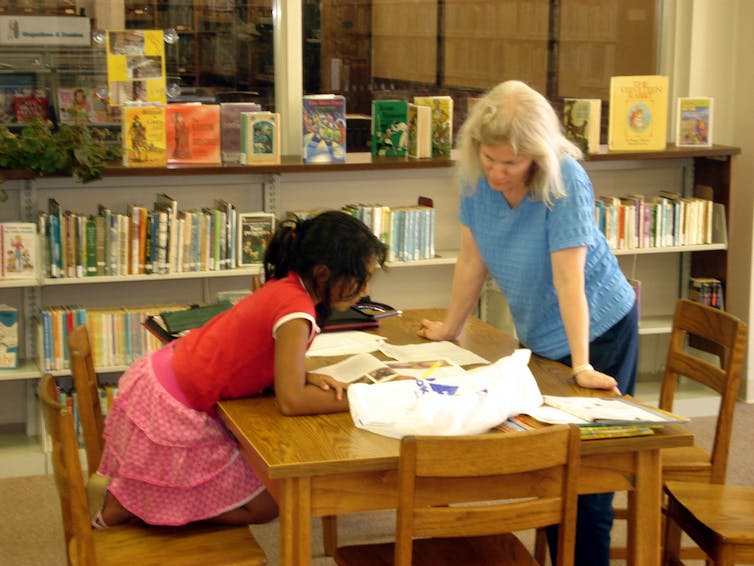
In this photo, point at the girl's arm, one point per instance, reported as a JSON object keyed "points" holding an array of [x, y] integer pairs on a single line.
{"points": [[468, 279], [568, 278], [294, 395]]}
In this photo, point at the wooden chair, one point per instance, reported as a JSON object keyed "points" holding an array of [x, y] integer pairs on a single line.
{"points": [[718, 518], [86, 384], [502, 482], [716, 332], [126, 545]]}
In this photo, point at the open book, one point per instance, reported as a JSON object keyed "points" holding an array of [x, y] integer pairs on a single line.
{"points": [[598, 411], [366, 368]]}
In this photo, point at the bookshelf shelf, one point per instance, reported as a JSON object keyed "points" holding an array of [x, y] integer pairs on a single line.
{"points": [[239, 272]]}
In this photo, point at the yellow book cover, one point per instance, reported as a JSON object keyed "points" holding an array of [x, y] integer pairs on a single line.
{"points": [[638, 117], [143, 133]]}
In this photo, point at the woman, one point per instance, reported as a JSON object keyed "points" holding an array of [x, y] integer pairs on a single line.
{"points": [[527, 215]]}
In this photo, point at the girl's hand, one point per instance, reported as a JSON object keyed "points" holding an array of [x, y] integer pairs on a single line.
{"points": [[596, 380], [327, 383], [433, 330]]}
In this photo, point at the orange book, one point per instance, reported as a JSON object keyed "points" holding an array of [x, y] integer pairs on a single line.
{"points": [[193, 133]]}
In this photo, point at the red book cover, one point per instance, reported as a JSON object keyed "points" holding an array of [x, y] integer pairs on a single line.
{"points": [[193, 133], [29, 108]]}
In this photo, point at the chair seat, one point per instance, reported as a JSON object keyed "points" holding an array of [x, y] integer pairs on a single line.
{"points": [[193, 545], [470, 551], [726, 510], [688, 463]]}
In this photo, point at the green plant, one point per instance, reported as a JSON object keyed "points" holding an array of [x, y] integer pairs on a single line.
{"points": [[75, 149]]}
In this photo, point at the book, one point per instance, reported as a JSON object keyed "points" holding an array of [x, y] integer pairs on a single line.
{"points": [[581, 121], [143, 133], [350, 319], [255, 230], [389, 131], [601, 411], [694, 121], [18, 242], [260, 138], [76, 105], [419, 131], [638, 113], [324, 128], [193, 133], [230, 129], [442, 123], [182, 320], [30, 108], [8, 337]]}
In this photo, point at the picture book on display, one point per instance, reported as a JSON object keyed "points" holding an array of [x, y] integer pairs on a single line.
{"points": [[255, 230], [18, 242], [419, 131], [389, 127], [192, 133], [638, 114], [694, 122], [230, 126], [143, 133], [581, 121], [324, 128], [442, 123], [260, 138], [8, 337]]}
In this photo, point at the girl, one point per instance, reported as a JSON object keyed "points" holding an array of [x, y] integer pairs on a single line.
{"points": [[169, 456]]}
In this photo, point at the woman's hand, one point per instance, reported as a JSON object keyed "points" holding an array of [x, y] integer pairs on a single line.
{"points": [[433, 330], [327, 383], [592, 379]]}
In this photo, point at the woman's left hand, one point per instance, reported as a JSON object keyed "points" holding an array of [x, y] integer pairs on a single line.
{"points": [[327, 383], [596, 380]]}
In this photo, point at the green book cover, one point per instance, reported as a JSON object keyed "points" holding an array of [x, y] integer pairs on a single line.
{"points": [[389, 127]]}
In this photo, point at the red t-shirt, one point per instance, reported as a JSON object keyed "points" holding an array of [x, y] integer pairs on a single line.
{"points": [[233, 355]]}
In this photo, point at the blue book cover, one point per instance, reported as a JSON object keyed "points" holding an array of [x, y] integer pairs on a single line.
{"points": [[8, 337], [324, 133]]}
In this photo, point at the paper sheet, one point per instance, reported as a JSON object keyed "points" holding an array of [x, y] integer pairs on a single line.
{"points": [[344, 343], [432, 350]]}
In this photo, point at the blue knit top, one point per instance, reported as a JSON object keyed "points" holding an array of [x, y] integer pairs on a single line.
{"points": [[516, 243]]}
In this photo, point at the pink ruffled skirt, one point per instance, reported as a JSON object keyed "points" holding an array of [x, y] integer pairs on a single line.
{"points": [[170, 464]]}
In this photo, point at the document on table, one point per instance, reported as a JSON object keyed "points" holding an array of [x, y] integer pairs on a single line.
{"points": [[344, 343], [366, 368], [432, 351], [599, 411]]}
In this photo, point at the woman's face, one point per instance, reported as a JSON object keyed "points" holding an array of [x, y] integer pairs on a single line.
{"points": [[343, 293], [506, 172]]}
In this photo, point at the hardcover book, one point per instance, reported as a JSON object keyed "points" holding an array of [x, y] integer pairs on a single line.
{"points": [[389, 127], [581, 121], [75, 105], [324, 128], [144, 143], [419, 131], [230, 129], [255, 230], [193, 133], [8, 337], [638, 115], [260, 137], [442, 123], [694, 122], [30, 108], [18, 241]]}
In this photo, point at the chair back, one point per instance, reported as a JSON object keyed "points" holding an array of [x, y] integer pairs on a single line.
{"points": [[69, 478], [503, 482], [86, 383], [716, 332]]}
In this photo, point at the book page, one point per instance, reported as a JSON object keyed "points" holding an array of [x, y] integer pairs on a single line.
{"points": [[614, 410], [344, 343], [432, 350]]}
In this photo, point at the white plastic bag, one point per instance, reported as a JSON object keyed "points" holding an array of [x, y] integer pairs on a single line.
{"points": [[469, 403]]}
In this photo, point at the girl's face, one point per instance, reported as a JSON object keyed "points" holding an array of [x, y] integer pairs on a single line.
{"points": [[506, 172], [343, 293]]}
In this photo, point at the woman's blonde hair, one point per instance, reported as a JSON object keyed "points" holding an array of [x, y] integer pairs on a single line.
{"points": [[516, 114]]}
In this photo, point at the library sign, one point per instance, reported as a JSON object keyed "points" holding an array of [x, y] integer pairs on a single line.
{"points": [[45, 30]]}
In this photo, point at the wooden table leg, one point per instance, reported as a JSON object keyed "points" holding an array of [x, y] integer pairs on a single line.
{"points": [[330, 534], [295, 522], [644, 511]]}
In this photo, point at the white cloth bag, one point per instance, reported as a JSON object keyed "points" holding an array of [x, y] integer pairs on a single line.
{"points": [[470, 403]]}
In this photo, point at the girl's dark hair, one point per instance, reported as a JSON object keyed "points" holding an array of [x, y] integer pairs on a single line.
{"points": [[337, 240]]}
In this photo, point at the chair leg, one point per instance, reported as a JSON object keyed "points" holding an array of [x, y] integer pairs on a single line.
{"points": [[672, 540], [540, 546], [330, 534]]}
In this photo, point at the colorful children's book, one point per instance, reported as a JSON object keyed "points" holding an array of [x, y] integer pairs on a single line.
{"points": [[581, 121], [230, 129], [8, 337], [260, 137], [193, 133], [255, 230], [143, 133], [638, 117], [18, 242], [442, 123], [694, 122], [324, 128], [30, 108], [389, 128], [419, 131], [75, 104]]}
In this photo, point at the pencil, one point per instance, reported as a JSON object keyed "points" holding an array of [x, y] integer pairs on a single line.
{"points": [[432, 369]]}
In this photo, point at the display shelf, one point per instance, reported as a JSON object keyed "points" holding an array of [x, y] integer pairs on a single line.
{"points": [[237, 272]]}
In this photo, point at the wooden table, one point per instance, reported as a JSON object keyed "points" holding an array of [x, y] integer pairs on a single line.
{"points": [[323, 466]]}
